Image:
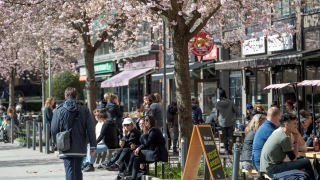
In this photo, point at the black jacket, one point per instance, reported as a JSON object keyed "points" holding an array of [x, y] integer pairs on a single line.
{"points": [[109, 134], [15, 119], [247, 147], [103, 103], [173, 109], [156, 144], [115, 113], [48, 114], [24, 108], [133, 137], [62, 120]]}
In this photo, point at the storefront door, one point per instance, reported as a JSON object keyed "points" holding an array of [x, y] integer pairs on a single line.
{"points": [[206, 91]]}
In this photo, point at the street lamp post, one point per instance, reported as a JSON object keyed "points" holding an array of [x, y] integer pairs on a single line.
{"points": [[55, 49]]}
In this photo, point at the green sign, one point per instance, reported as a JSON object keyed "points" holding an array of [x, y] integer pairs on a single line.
{"points": [[104, 67]]}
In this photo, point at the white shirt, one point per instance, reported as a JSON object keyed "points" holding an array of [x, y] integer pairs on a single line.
{"points": [[301, 148], [98, 130]]}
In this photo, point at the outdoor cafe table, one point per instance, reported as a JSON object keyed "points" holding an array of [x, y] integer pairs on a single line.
{"points": [[310, 155]]}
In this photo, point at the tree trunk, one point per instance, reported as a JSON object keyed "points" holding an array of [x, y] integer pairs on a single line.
{"points": [[183, 85], [90, 82], [11, 87]]}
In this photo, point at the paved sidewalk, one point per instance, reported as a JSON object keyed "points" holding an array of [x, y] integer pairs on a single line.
{"points": [[21, 163]]}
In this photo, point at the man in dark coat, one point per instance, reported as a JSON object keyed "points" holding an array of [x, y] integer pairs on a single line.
{"points": [[24, 107], [63, 119]]}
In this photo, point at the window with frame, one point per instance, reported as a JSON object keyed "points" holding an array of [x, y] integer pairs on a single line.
{"points": [[311, 6], [312, 39], [283, 7]]}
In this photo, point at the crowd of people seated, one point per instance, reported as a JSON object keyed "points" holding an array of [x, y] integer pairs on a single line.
{"points": [[137, 143], [273, 141]]}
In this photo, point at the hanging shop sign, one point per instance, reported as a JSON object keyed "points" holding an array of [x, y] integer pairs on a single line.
{"points": [[284, 43], [254, 46], [99, 68], [140, 64], [104, 67], [212, 55], [202, 44]]}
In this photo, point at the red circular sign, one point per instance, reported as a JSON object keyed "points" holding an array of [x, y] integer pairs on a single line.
{"points": [[202, 43]]}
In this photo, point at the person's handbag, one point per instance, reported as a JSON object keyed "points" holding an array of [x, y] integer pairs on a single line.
{"points": [[63, 138]]}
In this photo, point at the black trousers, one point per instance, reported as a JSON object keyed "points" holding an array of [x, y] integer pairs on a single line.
{"points": [[125, 152], [227, 136], [137, 160]]}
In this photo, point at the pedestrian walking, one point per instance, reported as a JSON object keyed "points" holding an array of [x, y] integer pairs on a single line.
{"points": [[65, 118], [48, 114], [114, 111], [196, 113], [226, 109], [156, 109], [172, 117]]}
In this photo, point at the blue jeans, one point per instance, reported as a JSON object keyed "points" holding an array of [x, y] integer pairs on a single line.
{"points": [[72, 167], [298, 164], [100, 148]]}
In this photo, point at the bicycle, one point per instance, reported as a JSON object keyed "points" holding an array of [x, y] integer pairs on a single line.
{"points": [[5, 94]]}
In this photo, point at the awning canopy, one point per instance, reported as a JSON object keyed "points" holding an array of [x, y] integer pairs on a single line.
{"points": [[170, 71], [159, 74], [123, 78], [277, 86], [83, 78], [309, 83]]}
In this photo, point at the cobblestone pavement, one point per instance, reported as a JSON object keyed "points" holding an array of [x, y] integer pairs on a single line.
{"points": [[21, 163]]}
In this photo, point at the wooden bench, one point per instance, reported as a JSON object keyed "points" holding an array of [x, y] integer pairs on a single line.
{"points": [[253, 172], [106, 154]]}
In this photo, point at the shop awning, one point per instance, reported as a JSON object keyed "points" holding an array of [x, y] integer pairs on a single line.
{"points": [[243, 62], [123, 78], [277, 86], [170, 71], [83, 78]]}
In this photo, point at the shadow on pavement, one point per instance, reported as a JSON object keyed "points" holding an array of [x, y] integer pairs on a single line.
{"points": [[28, 162]]}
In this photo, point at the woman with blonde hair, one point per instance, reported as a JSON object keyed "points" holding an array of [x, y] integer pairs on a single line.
{"points": [[48, 108], [12, 116], [158, 98], [250, 131]]}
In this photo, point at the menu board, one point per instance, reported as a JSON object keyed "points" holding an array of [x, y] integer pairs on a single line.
{"points": [[202, 136], [211, 153]]}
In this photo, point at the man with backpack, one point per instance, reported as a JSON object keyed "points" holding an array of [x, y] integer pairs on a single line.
{"points": [[172, 118], [226, 109], [74, 120]]}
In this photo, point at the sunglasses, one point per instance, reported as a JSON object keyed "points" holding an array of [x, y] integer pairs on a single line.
{"points": [[147, 120], [96, 115], [126, 124], [303, 121], [141, 124]]}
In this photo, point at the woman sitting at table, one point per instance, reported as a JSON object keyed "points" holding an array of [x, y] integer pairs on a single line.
{"points": [[250, 131], [156, 144]]}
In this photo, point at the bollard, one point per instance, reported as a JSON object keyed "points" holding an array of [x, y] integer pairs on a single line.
{"points": [[47, 138], [236, 161], [40, 136], [12, 138], [34, 137], [28, 134], [206, 173], [184, 153]]}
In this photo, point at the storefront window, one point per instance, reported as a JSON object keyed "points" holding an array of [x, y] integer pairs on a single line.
{"points": [[124, 97], [133, 89], [289, 76], [312, 39], [257, 82], [313, 73], [155, 87], [235, 92], [195, 75]]}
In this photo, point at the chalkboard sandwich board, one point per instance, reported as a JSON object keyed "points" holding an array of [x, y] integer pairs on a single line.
{"points": [[202, 140]]}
